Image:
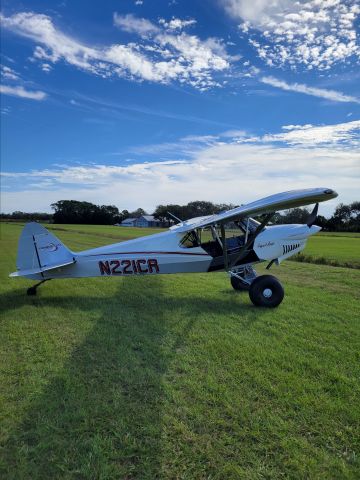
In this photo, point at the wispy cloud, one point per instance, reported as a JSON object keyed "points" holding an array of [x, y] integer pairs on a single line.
{"points": [[177, 23], [8, 73], [5, 110], [113, 109], [161, 55], [132, 24], [313, 34], [222, 169], [188, 146], [16, 88], [346, 135], [331, 95], [22, 92]]}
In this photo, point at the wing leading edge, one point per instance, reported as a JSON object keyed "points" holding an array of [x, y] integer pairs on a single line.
{"points": [[273, 203]]}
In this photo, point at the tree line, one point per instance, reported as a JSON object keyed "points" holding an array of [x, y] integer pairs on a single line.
{"points": [[345, 217], [199, 208]]}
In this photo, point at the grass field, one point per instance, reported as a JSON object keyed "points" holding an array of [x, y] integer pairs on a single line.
{"points": [[179, 377], [341, 249]]}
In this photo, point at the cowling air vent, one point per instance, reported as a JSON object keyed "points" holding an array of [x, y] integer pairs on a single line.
{"points": [[290, 248]]}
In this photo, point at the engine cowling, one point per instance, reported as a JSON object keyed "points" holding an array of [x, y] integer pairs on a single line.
{"points": [[282, 241]]}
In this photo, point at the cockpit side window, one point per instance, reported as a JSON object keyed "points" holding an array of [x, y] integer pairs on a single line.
{"points": [[189, 240], [208, 239]]}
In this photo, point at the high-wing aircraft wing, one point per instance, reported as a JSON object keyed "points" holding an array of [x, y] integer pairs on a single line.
{"points": [[273, 203]]}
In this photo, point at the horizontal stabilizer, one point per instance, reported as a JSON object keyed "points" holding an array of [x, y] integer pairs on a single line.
{"points": [[34, 271]]}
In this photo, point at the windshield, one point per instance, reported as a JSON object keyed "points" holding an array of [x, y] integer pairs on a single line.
{"points": [[249, 223]]}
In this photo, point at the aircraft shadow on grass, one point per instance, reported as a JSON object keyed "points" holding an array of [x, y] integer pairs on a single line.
{"points": [[101, 417]]}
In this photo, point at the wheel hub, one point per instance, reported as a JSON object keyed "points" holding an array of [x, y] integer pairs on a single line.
{"points": [[267, 293]]}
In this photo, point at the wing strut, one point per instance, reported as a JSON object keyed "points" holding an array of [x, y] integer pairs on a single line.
{"points": [[223, 241], [215, 235]]}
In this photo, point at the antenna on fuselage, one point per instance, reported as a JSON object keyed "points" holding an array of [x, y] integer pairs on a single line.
{"points": [[176, 218]]}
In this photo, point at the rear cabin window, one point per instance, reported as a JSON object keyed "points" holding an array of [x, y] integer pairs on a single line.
{"points": [[189, 240]]}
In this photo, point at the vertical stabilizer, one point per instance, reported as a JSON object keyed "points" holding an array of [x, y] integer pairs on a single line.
{"points": [[40, 250]]}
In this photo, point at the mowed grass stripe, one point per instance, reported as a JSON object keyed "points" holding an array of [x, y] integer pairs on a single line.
{"points": [[179, 376], [331, 248]]}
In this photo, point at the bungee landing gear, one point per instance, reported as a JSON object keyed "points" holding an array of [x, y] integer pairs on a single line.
{"points": [[264, 291], [32, 291]]}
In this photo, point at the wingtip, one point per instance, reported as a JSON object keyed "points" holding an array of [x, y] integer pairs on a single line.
{"points": [[331, 192]]}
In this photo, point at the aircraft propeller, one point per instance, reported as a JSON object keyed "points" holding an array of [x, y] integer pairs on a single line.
{"points": [[312, 217]]}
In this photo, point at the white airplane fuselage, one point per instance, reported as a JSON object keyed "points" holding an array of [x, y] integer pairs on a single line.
{"points": [[161, 253]]}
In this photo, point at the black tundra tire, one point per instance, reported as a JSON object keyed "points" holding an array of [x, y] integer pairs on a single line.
{"points": [[238, 284], [266, 291]]}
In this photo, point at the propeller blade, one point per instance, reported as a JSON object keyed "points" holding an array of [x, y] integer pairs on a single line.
{"points": [[312, 217]]}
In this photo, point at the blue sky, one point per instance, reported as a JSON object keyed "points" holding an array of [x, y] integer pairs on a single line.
{"points": [[136, 103]]}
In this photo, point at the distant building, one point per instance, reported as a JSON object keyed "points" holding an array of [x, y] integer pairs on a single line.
{"points": [[147, 221], [143, 221], [128, 222]]}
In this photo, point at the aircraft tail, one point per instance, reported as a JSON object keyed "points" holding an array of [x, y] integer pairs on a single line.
{"points": [[40, 251]]}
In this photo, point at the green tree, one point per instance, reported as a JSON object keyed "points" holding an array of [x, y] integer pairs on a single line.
{"points": [[73, 211], [139, 212]]}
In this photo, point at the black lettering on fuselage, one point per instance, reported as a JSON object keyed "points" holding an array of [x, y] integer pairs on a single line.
{"points": [[140, 269], [153, 264], [129, 267], [104, 268], [115, 269]]}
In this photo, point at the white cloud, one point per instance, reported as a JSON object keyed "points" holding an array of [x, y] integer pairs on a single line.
{"points": [[12, 76], [22, 92], [258, 12], [8, 73], [177, 23], [311, 33], [223, 170], [46, 67], [332, 95], [160, 57], [347, 133], [130, 23], [338, 135]]}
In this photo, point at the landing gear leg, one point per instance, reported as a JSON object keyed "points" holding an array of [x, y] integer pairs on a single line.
{"points": [[32, 290], [242, 278]]}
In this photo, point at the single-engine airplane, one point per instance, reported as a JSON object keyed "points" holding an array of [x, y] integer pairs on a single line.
{"points": [[201, 244]]}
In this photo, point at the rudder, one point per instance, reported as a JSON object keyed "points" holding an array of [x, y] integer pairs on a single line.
{"points": [[40, 250]]}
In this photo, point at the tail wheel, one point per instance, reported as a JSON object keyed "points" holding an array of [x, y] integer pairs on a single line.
{"points": [[238, 284], [266, 291]]}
